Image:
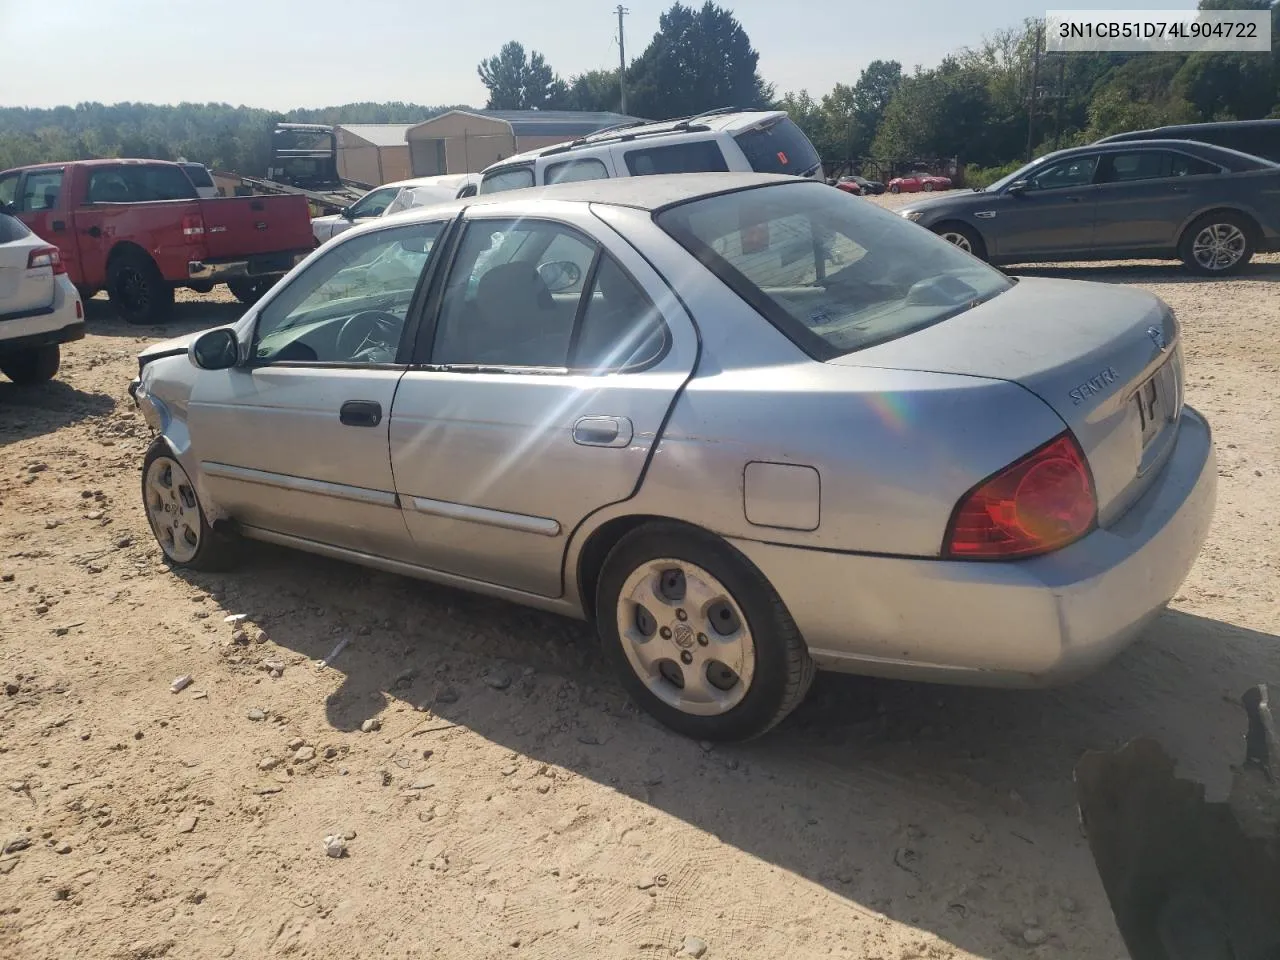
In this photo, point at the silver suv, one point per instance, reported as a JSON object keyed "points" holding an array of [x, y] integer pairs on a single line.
{"points": [[716, 141]]}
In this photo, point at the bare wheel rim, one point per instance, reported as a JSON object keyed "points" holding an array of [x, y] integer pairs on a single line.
{"points": [[686, 637], [927, 187], [172, 509], [959, 239], [1219, 246]]}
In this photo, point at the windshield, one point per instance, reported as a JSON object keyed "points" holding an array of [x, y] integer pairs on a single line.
{"points": [[779, 147], [1019, 174], [834, 273]]}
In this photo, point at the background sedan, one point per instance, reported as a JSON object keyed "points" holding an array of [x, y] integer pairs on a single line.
{"points": [[765, 429], [1206, 205], [916, 182]]}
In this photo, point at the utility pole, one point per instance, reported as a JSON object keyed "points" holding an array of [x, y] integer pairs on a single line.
{"points": [[622, 57], [1035, 89]]}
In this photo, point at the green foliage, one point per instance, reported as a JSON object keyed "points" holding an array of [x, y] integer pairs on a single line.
{"points": [[699, 59], [519, 81], [976, 176]]}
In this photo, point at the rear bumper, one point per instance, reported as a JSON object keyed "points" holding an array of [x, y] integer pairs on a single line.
{"points": [[45, 338], [264, 265], [1030, 623]]}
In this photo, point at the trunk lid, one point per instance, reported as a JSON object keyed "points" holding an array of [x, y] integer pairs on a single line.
{"points": [[1105, 358], [252, 226]]}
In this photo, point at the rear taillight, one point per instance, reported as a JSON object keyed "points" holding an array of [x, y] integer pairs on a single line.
{"points": [[193, 225], [1042, 502], [46, 257]]}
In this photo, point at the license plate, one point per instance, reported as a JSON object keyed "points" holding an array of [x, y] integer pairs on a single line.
{"points": [[1151, 412]]}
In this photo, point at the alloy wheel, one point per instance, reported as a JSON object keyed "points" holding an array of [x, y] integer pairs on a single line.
{"points": [[959, 239], [1219, 246], [686, 637]]}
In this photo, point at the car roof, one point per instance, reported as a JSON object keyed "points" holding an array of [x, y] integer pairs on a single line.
{"points": [[100, 162], [715, 121], [650, 193]]}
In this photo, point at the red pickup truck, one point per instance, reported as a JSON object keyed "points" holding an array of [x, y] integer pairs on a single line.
{"points": [[138, 229]]}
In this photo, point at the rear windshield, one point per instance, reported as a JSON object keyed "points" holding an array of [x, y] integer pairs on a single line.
{"points": [[137, 183], [833, 272], [780, 147], [512, 178], [11, 229], [199, 174]]}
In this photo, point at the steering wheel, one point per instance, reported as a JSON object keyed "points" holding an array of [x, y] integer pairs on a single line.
{"points": [[369, 329]]}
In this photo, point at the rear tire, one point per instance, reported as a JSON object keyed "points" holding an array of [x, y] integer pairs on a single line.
{"points": [[718, 656], [250, 290], [1218, 244], [32, 366], [894, 188], [927, 187], [139, 293]]}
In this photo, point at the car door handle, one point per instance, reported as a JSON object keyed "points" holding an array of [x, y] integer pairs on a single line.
{"points": [[94, 232], [361, 413], [1178, 189], [59, 225], [603, 431]]}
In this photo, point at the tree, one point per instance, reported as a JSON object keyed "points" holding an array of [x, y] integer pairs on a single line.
{"points": [[520, 81], [699, 59], [939, 113], [595, 90]]}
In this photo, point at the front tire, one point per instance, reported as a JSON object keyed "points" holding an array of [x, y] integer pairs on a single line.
{"points": [[964, 237], [34, 366], [176, 517], [698, 636], [1218, 244], [927, 187], [894, 188], [138, 291]]}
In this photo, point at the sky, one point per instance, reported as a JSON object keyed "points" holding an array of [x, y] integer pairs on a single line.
{"points": [[280, 54]]}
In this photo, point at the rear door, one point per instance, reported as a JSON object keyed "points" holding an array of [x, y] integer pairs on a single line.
{"points": [[1054, 215], [36, 197], [1144, 197], [540, 397]]}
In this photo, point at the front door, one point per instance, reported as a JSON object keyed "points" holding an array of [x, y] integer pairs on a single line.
{"points": [[1053, 215], [295, 441], [1145, 196], [557, 353]]}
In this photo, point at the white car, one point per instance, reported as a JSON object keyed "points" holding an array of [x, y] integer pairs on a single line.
{"points": [[39, 306], [718, 141], [393, 197]]}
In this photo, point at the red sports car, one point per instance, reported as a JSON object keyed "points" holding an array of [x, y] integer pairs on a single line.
{"points": [[915, 182], [849, 185]]}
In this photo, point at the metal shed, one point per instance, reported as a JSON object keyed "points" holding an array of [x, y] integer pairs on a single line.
{"points": [[467, 141], [373, 152]]}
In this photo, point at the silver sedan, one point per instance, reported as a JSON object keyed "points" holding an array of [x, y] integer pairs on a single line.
{"points": [[749, 426]]}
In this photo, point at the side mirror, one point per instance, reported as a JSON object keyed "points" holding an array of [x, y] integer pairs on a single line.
{"points": [[345, 213], [215, 350], [560, 275], [1017, 188]]}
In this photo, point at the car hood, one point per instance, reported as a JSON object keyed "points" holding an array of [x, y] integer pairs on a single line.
{"points": [[947, 204], [331, 218], [168, 348]]}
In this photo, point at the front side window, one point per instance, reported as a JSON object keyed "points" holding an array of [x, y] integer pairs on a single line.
{"points": [[1075, 172], [779, 147], [350, 305], [513, 178], [572, 171], [832, 272], [697, 156], [9, 189], [41, 191], [374, 203]]}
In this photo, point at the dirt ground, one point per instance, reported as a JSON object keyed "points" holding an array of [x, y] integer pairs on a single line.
{"points": [[507, 800]]}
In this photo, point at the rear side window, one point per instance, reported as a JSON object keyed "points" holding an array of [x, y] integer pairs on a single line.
{"points": [[513, 178], [780, 147], [571, 171], [697, 156], [139, 184], [11, 229], [1152, 165], [198, 174]]}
